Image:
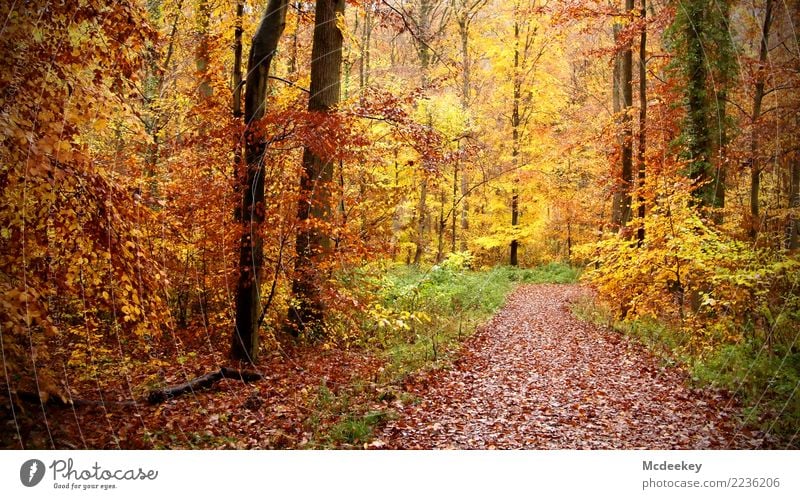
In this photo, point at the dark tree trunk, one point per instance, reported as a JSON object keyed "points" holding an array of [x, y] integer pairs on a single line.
{"points": [[265, 42], [422, 221], [237, 64], [627, 128], [513, 258], [313, 244], [696, 128], [642, 120], [758, 97], [622, 211], [794, 203], [422, 39]]}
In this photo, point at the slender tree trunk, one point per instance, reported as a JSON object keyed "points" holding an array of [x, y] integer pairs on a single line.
{"points": [[722, 84], [464, 20], [424, 55], [422, 220], [298, 8], [366, 41], [513, 258], [237, 85], [264, 44], [624, 96], [201, 57], [441, 228], [642, 120], [616, 103], [794, 204], [313, 244], [627, 126], [453, 208], [237, 66], [758, 97]]}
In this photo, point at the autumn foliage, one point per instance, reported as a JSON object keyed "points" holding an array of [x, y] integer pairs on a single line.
{"points": [[466, 135]]}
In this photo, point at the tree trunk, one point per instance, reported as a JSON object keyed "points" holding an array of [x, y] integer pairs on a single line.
{"points": [[265, 42], [237, 65], [441, 228], [627, 126], [624, 66], [237, 85], [758, 97], [313, 244], [424, 56], [465, 99], [298, 8], [722, 84], [366, 41], [422, 221], [616, 107], [697, 132], [794, 204], [204, 88], [467, 11], [453, 208], [642, 120], [513, 258]]}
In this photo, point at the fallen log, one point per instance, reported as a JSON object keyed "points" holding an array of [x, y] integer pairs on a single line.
{"points": [[202, 382]]}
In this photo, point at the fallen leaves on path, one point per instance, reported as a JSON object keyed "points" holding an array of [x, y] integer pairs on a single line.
{"points": [[536, 377]]}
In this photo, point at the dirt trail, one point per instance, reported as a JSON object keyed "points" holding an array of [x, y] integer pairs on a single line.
{"points": [[536, 377]]}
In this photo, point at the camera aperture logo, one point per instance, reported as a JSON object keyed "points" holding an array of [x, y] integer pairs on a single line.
{"points": [[31, 472], [66, 475]]}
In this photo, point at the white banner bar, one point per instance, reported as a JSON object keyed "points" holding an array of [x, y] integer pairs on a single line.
{"points": [[386, 474]]}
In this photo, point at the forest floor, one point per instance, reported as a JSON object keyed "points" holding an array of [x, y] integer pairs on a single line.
{"points": [[536, 377], [532, 377]]}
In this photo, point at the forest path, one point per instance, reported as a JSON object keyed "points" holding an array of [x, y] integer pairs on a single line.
{"points": [[536, 377]]}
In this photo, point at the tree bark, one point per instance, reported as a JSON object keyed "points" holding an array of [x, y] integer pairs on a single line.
{"points": [[313, 244], [467, 11], [622, 213], [758, 97], [422, 39], [642, 120], [794, 204], [237, 65], [264, 44], [204, 88], [513, 258], [696, 127], [422, 220], [201, 383]]}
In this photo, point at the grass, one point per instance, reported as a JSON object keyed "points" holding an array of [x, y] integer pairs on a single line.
{"points": [[768, 382], [344, 420], [765, 380]]}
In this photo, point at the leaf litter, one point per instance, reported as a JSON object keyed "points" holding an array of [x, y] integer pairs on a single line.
{"points": [[536, 377]]}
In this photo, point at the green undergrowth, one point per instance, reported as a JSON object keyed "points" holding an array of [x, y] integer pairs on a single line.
{"points": [[764, 378], [418, 321], [345, 418]]}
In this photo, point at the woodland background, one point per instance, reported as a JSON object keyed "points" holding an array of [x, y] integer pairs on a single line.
{"points": [[180, 186]]}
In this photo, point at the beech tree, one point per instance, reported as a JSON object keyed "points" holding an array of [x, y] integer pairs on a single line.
{"points": [[314, 209], [623, 102], [248, 298]]}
